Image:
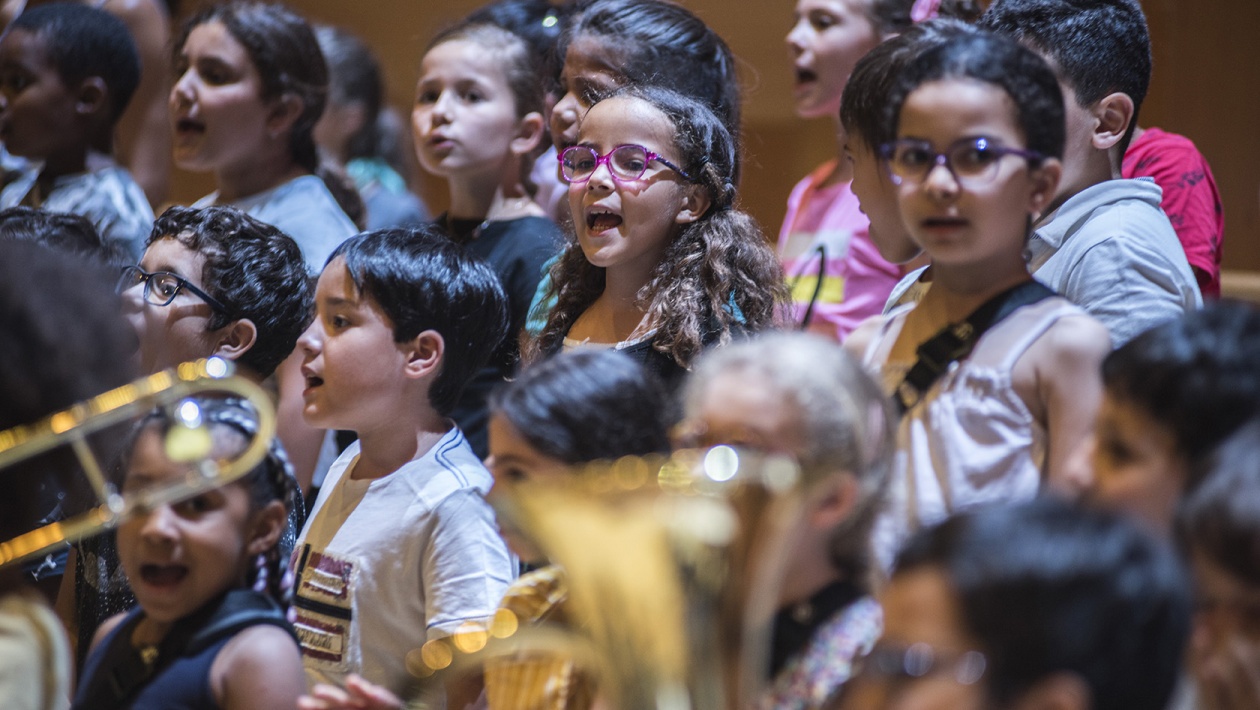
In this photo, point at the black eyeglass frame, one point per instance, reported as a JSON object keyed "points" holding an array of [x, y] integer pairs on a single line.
{"points": [[127, 278]]}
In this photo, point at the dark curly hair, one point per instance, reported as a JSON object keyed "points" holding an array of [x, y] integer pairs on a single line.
{"points": [[718, 274], [283, 49], [252, 268]]}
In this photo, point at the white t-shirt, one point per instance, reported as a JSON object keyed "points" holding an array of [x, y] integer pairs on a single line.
{"points": [[384, 565]]}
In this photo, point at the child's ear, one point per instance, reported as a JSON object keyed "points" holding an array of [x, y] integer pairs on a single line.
{"points": [[833, 501], [92, 96], [1045, 179], [284, 113], [529, 133], [268, 525], [424, 354], [235, 338], [1113, 113], [694, 204]]}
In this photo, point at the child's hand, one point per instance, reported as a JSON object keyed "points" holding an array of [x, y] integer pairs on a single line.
{"points": [[1229, 677], [358, 694]]}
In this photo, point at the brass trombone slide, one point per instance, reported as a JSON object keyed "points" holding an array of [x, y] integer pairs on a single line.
{"points": [[188, 442]]}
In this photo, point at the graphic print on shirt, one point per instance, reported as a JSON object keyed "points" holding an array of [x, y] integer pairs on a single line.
{"points": [[323, 600]]}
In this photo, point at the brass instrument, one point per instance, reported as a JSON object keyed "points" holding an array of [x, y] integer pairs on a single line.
{"points": [[672, 567], [187, 442]]}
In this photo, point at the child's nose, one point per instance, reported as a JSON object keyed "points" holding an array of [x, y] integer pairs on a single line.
{"points": [[795, 39], [159, 526], [940, 180], [311, 339], [601, 178]]}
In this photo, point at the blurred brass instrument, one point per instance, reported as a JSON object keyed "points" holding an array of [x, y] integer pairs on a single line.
{"points": [[187, 442], [673, 568]]}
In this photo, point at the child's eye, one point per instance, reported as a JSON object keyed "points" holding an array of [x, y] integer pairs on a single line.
{"points": [[973, 158], [194, 506], [821, 21], [340, 322], [474, 97], [914, 156], [428, 96]]}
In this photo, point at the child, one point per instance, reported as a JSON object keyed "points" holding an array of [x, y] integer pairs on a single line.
{"points": [[201, 637], [986, 416], [862, 109], [663, 264], [1172, 394], [802, 395], [250, 85], [614, 43], [1038, 605], [213, 281], [478, 123], [359, 131], [68, 72], [1101, 241], [1218, 527], [404, 319], [837, 276], [65, 342], [576, 408]]}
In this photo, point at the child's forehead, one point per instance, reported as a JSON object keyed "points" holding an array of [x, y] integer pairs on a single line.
{"points": [[30, 47], [628, 116], [958, 106]]}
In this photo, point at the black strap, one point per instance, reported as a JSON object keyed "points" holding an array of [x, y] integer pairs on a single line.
{"points": [[821, 251], [124, 670], [955, 341]]}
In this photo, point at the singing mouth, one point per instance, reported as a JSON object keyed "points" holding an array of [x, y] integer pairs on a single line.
{"points": [[602, 221], [162, 575]]}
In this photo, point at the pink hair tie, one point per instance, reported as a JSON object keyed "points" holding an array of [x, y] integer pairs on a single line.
{"points": [[925, 10]]}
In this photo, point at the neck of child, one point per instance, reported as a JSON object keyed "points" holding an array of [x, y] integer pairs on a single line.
{"points": [[1100, 166], [58, 165], [496, 197], [385, 450], [273, 168], [957, 290]]}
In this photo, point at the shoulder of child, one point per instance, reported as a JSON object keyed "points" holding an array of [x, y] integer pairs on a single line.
{"points": [[105, 629], [261, 667], [859, 341], [1072, 341]]}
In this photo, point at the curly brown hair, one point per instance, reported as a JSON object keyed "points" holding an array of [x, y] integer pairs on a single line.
{"points": [[717, 276]]}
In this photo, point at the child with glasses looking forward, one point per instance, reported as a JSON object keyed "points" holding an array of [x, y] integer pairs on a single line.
{"points": [[663, 264], [979, 135]]}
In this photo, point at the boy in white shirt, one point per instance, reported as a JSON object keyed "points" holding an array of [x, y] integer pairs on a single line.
{"points": [[400, 546]]}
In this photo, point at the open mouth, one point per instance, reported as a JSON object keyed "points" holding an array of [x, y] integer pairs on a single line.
{"points": [[313, 381], [187, 125], [602, 221], [944, 222], [163, 575], [805, 76]]}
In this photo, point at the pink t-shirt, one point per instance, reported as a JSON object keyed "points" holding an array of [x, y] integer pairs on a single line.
{"points": [[1191, 200], [825, 237]]}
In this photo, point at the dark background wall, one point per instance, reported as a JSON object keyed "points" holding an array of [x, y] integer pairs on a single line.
{"points": [[1206, 85]]}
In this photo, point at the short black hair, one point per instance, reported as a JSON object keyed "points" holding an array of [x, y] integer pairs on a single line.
{"points": [[59, 230], [83, 42], [65, 340], [1047, 587], [996, 60], [539, 23], [1098, 46], [587, 405], [251, 267], [1221, 519], [422, 281], [1198, 375], [863, 105]]}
